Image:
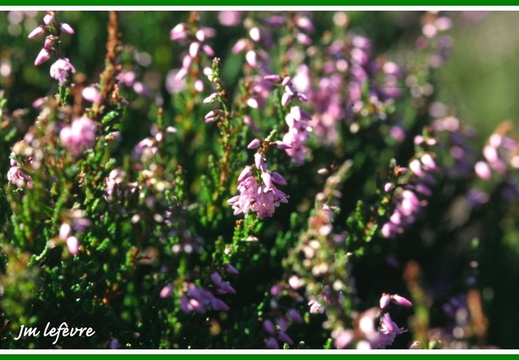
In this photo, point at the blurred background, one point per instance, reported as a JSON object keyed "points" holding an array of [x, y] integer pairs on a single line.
{"points": [[479, 83]]}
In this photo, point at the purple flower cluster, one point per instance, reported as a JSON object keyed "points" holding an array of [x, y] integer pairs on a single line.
{"points": [[433, 26], [79, 136], [407, 198], [298, 120], [275, 327], [500, 153], [200, 300], [77, 223], [257, 187], [297, 134], [340, 92], [254, 46], [371, 336], [195, 41], [60, 69], [17, 176]]}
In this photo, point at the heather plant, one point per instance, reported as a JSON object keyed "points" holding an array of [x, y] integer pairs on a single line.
{"points": [[256, 180]]}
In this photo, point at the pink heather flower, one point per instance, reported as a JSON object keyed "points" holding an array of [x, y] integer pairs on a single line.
{"points": [[251, 58], [43, 56], [416, 167], [344, 339], [194, 48], [66, 28], [179, 32], [16, 176], [64, 231], [315, 307], [256, 197], [298, 134], [73, 245], [276, 290], [126, 77], [48, 18], [254, 144], [60, 70], [277, 178], [295, 282], [273, 78], [230, 18], [92, 95], [397, 133], [388, 331], [259, 161], [429, 163], [424, 190], [79, 136], [166, 291], [40, 30], [400, 300], [388, 187], [212, 116], [385, 299], [239, 46]]}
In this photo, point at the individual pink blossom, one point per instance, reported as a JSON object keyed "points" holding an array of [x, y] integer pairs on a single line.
{"points": [[388, 331], [65, 231], [400, 300], [179, 32], [61, 69], [230, 18], [66, 28], [73, 245], [344, 339], [166, 291], [254, 144], [385, 299], [79, 136], [43, 56], [91, 94], [49, 18], [18, 177], [38, 31]]}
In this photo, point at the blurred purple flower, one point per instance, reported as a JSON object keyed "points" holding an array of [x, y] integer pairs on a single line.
{"points": [[61, 69], [79, 136]]}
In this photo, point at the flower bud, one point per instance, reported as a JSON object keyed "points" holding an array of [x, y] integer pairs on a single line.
{"points": [[36, 32], [254, 144]]}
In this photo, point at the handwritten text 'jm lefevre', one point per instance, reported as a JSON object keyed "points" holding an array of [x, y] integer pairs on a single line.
{"points": [[55, 332]]}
